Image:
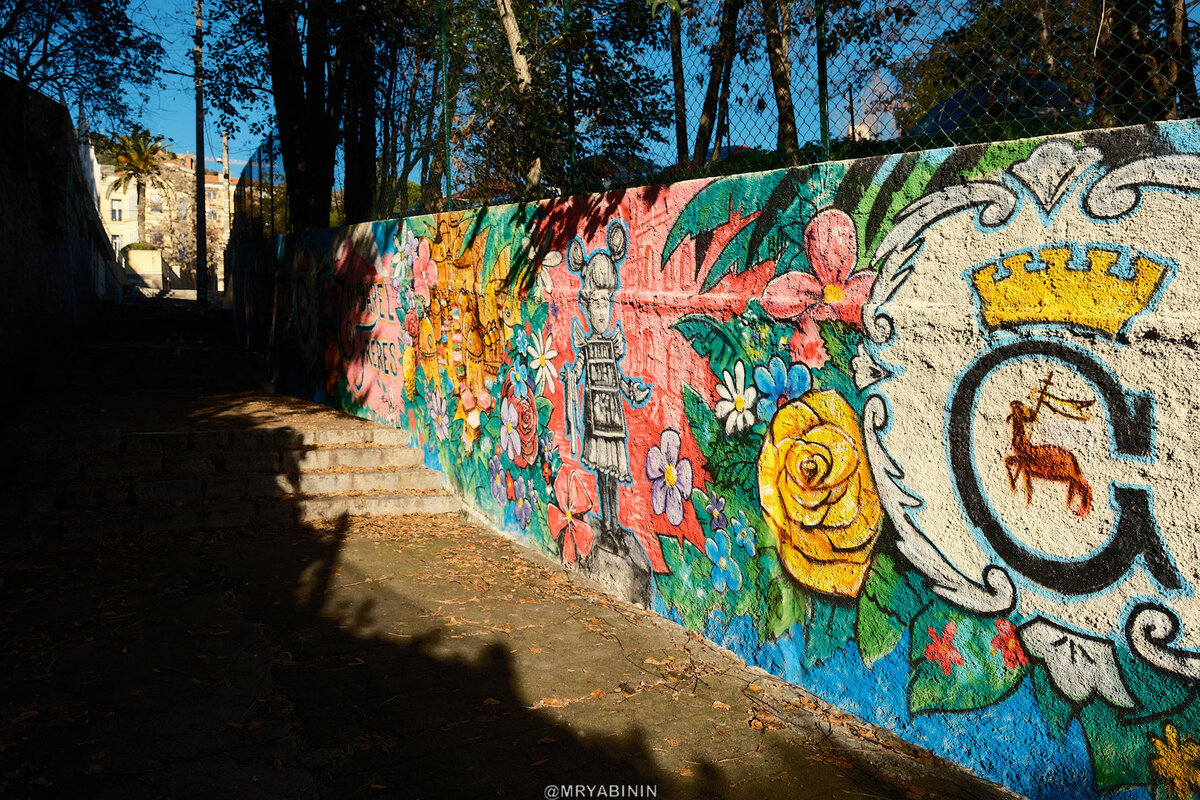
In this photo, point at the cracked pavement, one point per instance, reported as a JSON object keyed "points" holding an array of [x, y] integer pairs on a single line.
{"points": [[414, 657]]}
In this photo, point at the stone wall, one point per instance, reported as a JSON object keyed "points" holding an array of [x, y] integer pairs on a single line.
{"points": [[916, 433]]}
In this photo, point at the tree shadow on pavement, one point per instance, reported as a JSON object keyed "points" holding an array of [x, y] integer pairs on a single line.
{"points": [[228, 664]]}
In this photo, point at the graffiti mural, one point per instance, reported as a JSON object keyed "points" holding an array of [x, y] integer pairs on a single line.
{"points": [[916, 433]]}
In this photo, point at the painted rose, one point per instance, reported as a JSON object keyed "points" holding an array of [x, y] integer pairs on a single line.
{"points": [[817, 494], [526, 424]]}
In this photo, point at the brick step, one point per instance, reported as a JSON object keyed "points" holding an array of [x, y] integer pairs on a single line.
{"points": [[81, 496], [211, 515]]}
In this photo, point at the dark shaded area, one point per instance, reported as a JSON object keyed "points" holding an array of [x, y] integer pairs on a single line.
{"points": [[186, 667], [57, 257], [186, 663]]}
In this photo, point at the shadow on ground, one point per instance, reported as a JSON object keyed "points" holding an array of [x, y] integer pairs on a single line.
{"points": [[202, 665]]}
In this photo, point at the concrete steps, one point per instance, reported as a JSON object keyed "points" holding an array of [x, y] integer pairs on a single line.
{"points": [[151, 429], [128, 482]]}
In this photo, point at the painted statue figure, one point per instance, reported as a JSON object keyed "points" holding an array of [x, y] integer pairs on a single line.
{"points": [[603, 443]]}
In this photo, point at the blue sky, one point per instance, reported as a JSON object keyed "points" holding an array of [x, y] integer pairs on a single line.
{"points": [[171, 110]]}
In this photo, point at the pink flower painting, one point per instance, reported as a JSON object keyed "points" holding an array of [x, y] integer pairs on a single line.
{"points": [[832, 292]]}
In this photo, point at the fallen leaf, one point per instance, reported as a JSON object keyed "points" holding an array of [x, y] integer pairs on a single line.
{"points": [[553, 701], [685, 772], [597, 694], [673, 742], [539, 763], [536, 650], [720, 705], [654, 661], [547, 740], [491, 701], [754, 687]]}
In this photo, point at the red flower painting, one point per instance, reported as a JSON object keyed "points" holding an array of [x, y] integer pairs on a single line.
{"points": [[1005, 641], [568, 518], [941, 650]]}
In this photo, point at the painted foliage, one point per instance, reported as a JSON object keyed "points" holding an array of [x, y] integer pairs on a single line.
{"points": [[915, 433]]}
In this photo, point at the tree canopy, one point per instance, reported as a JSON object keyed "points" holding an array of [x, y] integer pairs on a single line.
{"points": [[86, 52]]}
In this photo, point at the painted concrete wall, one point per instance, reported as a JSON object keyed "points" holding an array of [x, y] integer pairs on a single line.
{"points": [[916, 433]]}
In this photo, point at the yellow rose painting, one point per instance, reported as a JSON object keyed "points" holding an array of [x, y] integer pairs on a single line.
{"points": [[817, 494]]}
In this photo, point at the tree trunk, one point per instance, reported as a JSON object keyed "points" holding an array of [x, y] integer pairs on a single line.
{"points": [[721, 54], [722, 112], [1180, 71], [786, 141], [359, 125], [1049, 62], [512, 32], [431, 177], [533, 171], [1130, 86], [307, 117], [675, 25], [140, 181]]}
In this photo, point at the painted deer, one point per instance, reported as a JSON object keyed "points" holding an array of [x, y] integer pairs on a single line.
{"points": [[1046, 461]]}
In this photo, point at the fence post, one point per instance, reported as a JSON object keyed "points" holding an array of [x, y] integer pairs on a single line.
{"points": [[570, 100], [822, 78], [449, 163], [271, 182]]}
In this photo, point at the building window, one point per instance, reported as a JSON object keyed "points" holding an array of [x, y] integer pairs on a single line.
{"points": [[212, 214], [211, 194], [156, 204], [156, 239], [115, 207], [118, 243], [183, 210]]}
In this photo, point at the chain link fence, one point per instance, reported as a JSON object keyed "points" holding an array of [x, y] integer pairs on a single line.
{"points": [[604, 94]]}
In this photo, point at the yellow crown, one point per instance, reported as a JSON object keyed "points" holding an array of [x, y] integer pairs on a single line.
{"points": [[1061, 289]]}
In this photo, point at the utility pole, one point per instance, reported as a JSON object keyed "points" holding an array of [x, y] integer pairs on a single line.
{"points": [[227, 199], [823, 77], [201, 226]]}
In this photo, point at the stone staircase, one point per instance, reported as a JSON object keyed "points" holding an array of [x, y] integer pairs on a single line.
{"points": [[142, 437]]}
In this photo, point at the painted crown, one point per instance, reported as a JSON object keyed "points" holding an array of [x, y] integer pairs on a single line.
{"points": [[1099, 287]]}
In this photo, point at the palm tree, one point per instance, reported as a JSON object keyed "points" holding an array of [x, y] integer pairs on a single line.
{"points": [[138, 155]]}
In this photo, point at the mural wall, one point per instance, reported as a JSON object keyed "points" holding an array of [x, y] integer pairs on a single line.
{"points": [[916, 433]]}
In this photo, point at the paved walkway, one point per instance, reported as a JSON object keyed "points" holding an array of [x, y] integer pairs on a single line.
{"points": [[413, 657], [408, 657]]}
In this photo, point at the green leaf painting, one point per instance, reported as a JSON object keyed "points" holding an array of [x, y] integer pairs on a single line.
{"points": [[712, 340], [959, 662], [829, 628], [683, 588], [705, 428], [716, 203]]}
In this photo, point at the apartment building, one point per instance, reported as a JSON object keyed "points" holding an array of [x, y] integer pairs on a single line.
{"points": [[170, 201]]}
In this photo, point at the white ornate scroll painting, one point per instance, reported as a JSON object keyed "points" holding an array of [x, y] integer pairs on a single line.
{"points": [[1036, 439]]}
